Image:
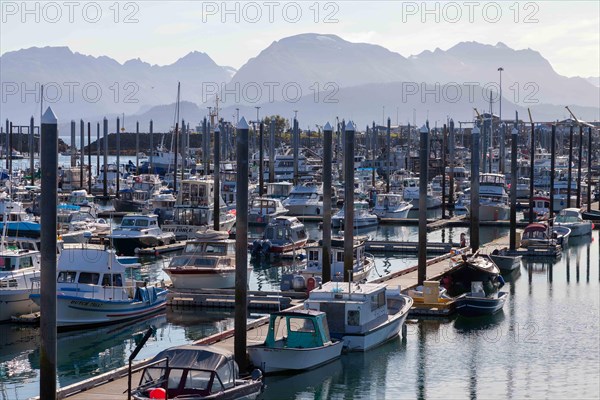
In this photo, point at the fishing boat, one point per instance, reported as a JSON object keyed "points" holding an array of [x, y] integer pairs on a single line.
{"points": [[19, 278], [279, 190], [493, 200], [469, 268], [476, 303], [136, 198], [391, 206], [92, 289], [138, 231], [541, 206], [591, 215], [194, 210], [363, 218], [572, 219], [283, 235], [305, 200], [505, 261], [364, 315], [362, 263], [296, 340], [263, 210], [196, 372], [207, 262], [411, 193]]}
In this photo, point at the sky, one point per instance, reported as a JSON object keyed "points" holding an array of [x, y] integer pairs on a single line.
{"points": [[567, 33]]}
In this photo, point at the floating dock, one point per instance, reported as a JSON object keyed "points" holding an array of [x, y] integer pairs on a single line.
{"points": [[153, 251], [225, 298]]}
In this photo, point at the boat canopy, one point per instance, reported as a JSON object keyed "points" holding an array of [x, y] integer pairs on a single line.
{"points": [[200, 357]]}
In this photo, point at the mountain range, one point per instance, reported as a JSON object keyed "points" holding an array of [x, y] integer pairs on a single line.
{"points": [[321, 76]]}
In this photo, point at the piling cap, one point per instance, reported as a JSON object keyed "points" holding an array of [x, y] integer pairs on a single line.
{"points": [[424, 129], [475, 130], [217, 130], [327, 127], [514, 131], [242, 124], [49, 117], [350, 126]]}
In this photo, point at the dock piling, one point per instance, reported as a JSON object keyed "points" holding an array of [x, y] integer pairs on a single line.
{"points": [[348, 201], [513, 189], [118, 147], [82, 153], [423, 170], [217, 181], [552, 169], [474, 230], [31, 151], [48, 326], [327, 157], [105, 182]]}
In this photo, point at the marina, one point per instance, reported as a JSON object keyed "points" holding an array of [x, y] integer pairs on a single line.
{"points": [[369, 239]]}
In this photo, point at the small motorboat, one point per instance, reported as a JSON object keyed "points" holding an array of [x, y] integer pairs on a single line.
{"points": [[591, 215], [572, 219], [284, 234], [363, 218], [476, 303], [139, 231], [196, 372], [391, 207], [362, 315], [540, 234], [505, 261], [472, 268], [263, 210], [296, 340]]}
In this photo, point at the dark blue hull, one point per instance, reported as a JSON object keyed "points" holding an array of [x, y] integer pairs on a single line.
{"points": [[469, 306]]}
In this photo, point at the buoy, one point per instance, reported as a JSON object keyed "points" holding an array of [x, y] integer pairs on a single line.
{"points": [[158, 393]]}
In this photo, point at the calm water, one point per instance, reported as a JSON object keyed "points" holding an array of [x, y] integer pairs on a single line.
{"points": [[545, 343]]}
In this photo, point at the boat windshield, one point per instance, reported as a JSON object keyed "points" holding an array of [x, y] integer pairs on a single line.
{"points": [[567, 218]]}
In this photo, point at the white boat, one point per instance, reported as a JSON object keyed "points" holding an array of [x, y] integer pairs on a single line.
{"points": [[207, 262], [572, 219], [263, 210], [92, 290], [196, 372], [505, 261], [138, 231], [540, 234], [194, 210], [296, 340], [411, 193], [390, 206], [493, 200], [19, 278], [363, 262], [363, 218], [279, 190], [561, 190], [305, 200], [362, 315]]}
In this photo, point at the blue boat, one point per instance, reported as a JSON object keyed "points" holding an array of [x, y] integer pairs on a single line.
{"points": [[476, 303]]}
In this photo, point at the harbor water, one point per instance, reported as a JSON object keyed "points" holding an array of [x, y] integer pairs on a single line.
{"points": [[549, 325]]}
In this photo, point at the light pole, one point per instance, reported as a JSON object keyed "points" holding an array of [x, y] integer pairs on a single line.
{"points": [[500, 105]]}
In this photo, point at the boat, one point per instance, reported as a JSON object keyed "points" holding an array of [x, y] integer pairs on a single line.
{"points": [[284, 234], [505, 261], [161, 161], [207, 262], [390, 206], [362, 315], [363, 262], [279, 190], [305, 200], [540, 234], [572, 219], [296, 340], [194, 210], [541, 206], [562, 234], [138, 231], [263, 210], [476, 303], [137, 197], [591, 215], [411, 193], [468, 268], [196, 372], [493, 200], [92, 289], [19, 278], [363, 218], [418, 294]]}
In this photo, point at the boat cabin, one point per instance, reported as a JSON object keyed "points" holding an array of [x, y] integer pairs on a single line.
{"points": [[301, 329], [139, 222], [13, 259], [284, 228], [279, 190], [353, 308], [314, 257]]}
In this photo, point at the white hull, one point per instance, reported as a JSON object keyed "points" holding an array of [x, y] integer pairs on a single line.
{"points": [[202, 281], [280, 359], [303, 209], [488, 212], [432, 202], [358, 223], [375, 337], [73, 311], [577, 229], [187, 232], [392, 214], [16, 302]]}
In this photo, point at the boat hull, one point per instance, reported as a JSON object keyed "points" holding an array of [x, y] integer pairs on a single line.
{"points": [[304, 209], [489, 212], [273, 360], [506, 263], [194, 279], [16, 302], [480, 306], [127, 246], [187, 232], [374, 337], [74, 311]]}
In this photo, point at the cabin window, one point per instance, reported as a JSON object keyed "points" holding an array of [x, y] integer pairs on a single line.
{"points": [[175, 378], [117, 280], [128, 222], [301, 325], [313, 255], [340, 256], [197, 380], [301, 234], [66, 277], [377, 301], [89, 278], [141, 222], [6, 264], [106, 279], [353, 318]]}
